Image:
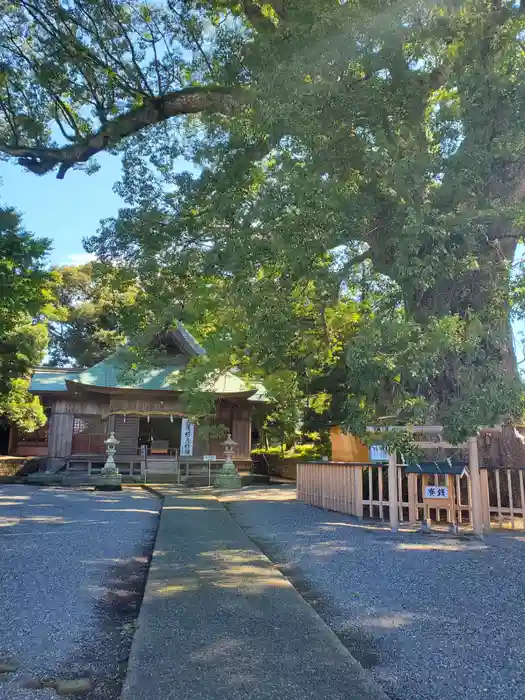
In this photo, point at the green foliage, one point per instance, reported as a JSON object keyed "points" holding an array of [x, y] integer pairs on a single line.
{"points": [[448, 372], [352, 226], [25, 305], [22, 408], [305, 451], [95, 305]]}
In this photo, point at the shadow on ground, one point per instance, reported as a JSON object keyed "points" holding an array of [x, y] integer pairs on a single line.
{"points": [[73, 566], [219, 622], [431, 616]]}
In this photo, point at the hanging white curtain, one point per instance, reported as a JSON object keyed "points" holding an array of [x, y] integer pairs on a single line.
{"points": [[186, 438]]}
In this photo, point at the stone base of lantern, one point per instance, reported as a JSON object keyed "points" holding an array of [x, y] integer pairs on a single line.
{"points": [[108, 480], [108, 483], [228, 477]]}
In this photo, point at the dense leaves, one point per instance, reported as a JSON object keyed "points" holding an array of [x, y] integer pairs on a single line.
{"points": [[93, 303], [25, 302], [359, 161]]}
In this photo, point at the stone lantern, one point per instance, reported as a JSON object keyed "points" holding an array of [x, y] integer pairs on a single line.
{"points": [[110, 479], [229, 477]]}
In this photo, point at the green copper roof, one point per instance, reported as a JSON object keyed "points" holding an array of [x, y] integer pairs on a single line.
{"points": [[111, 373], [47, 379], [115, 372]]}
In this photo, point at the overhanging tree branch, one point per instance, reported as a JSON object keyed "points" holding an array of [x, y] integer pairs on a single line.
{"points": [[41, 160]]}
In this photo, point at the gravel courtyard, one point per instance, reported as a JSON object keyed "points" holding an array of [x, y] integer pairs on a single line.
{"points": [[72, 568], [431, 616]]}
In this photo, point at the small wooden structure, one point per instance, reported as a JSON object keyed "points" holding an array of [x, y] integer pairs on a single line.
{"points": [[439, 488]]}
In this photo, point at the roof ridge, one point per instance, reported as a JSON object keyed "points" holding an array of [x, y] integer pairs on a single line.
{"points": [[45, 368]]}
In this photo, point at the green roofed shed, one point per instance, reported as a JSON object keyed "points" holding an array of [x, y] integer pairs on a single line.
{"points": [[444, 467]]}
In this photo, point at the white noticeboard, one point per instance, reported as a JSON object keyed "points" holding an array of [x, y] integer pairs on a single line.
{"points": [[186, 438], [210, 458], [377, 453], [436, 492]]}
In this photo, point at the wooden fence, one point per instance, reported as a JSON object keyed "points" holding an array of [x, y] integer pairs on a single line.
{"points": [[362, 490]]}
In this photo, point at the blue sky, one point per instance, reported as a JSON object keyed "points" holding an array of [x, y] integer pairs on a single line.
{"points": [[63, 210]]}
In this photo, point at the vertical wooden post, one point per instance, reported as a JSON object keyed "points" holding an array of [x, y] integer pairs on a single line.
{"points": [[498, 497], [392, 492], [426, 507], [475, 484], [380, 485], [400, 494], [522, 498], [350, 488], [110, 428], [459, 514], [412, 498], [13, 438], [511, 500], [358, 483], [452, 513], [370, 493]]}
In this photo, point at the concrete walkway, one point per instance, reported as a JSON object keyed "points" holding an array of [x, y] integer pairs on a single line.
{"points": [[219, 622]]}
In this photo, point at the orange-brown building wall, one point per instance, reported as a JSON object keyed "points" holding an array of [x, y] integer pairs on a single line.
{"points": [[346, 447]]}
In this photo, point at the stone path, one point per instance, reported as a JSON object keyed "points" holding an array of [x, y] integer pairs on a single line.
{"points": [[219, 622]]}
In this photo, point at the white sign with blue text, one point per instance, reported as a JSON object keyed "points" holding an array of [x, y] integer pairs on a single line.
{"points": [[378, 453], [436, 492]]}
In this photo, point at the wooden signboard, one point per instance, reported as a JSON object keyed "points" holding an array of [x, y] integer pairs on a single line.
{"points": [[436, 492], [436, 496]]}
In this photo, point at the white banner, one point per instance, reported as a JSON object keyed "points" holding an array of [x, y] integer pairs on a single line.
{"points": [[186, 438]]}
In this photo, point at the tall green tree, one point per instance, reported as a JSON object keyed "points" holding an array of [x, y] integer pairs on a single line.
{"points": [[94, 303], [25, 304], [391, 131]]}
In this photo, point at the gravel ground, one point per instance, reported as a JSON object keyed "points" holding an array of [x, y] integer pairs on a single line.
{"points": [[72, 571], [432, 616]]}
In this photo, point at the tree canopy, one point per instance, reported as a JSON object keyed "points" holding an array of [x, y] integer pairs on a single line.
{"points": [[25, 302], [368, 151], [93, 303]]}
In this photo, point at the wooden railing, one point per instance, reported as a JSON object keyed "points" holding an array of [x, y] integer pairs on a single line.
{"points": [[331, 485], [362, 490], [128, 465], [504, 497], [182, 470]]}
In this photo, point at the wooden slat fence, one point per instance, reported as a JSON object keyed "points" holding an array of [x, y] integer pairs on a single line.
{"points": [[504, 497], [362, 490]]}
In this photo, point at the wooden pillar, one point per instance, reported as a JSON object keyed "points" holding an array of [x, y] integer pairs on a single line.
{"points": [[475, 484], [358, 491], [60, 434], [392, 492], [485, 503], [412, 498], [110, 428], [13, 440]]}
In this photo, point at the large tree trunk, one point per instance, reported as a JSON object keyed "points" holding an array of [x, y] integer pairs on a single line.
{"points": [[479, 296]]}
